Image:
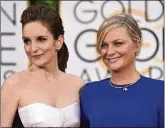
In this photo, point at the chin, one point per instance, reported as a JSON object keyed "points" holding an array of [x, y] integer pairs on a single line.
{"points": [[40, 63], [114, 67]]}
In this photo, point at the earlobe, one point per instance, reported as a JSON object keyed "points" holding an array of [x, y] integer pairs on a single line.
{"points": [[59, 43], [136, 53], [138, 45]]}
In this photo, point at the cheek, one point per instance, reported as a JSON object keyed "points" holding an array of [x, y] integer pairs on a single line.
{"points": [[50, 51], [129, 54], [127, 50], [132, 52], [132, 48], [103, 53], [48, 46], [27, 49], [103, 56]]}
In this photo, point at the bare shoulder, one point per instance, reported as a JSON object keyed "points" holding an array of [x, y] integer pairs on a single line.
{"points": [[14, 80], [75, 80], [13, 86], [10, 88], [11, 80]]}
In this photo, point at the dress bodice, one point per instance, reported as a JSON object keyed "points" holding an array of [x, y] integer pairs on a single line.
{"points": [[42, 115]]}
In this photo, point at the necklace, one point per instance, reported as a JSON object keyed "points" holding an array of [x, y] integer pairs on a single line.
{"points": [[124, 88]]}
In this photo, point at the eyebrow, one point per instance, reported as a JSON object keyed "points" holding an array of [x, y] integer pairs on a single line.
{"points": [[103, 42], [23, 37], [117, 40], [113, 40], [42, 36]]}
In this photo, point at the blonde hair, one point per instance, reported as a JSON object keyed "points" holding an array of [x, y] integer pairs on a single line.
{"points": [[119, 20]]}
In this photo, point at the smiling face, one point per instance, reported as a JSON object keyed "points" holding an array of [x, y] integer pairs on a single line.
{"points": [[118, 50], [39, 44]]}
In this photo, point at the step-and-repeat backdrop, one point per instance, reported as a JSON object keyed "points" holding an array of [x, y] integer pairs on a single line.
{"points": [[13, 57], [81, 20]]}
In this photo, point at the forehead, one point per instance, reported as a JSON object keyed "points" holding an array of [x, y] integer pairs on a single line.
{"points": [[35, 29], [117, 33]]}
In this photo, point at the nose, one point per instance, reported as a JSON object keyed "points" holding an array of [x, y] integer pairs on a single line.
{"points": [[110, 50], [34, 47]]}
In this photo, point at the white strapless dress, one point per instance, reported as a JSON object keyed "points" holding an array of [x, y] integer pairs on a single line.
{"points": [[42, 115]]}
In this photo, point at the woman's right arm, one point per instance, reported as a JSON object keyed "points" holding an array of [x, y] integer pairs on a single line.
{"points": [[9, 100]]}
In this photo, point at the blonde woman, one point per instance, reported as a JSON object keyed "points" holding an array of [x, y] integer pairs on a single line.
{"points": [[126, 99]]}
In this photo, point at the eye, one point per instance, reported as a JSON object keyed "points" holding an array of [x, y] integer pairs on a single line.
{"points": [[104, 45], [26, 41], [41, 39], [117, 44]]}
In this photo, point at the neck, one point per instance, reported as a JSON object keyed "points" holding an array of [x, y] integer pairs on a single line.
{"points": [[125, 76]]}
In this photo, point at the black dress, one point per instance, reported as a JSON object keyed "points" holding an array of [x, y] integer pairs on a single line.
{"points": [[17, 121]]}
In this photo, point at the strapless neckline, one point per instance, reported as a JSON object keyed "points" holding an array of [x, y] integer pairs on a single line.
{"points": [[44, 115], [43, 104]]}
